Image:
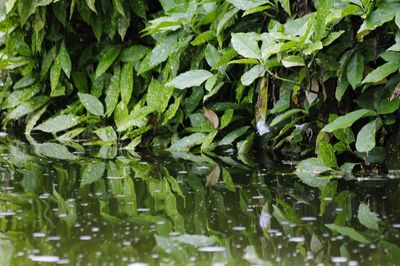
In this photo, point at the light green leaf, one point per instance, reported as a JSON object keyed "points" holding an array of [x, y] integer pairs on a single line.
{"points": [[65, 60], [366, 137], [381, 72], [367, 218], [55, 72], [92, 173], [186, 143], [112, 94], [107, 58], [326, 152], [162, 50], [350, 232], [58, 123], [250, 76], [133, 54], [27, 107], [126, 82], [232, 136], [92, 104], [286, 6], [246, 44], [347, 120], [284, 116], [107, 134], [203, 37], [54, 150], [312, 166], [189, 79], [292, 61], [158, 96], [247, 4], [91, 5]]}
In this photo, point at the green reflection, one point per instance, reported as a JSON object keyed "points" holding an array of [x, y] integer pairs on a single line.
{"points": [[187, 209]]}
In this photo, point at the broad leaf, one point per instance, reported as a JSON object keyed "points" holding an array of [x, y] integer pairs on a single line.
{"points": [[246, 44], [347, 120], [381, 72], [92, 104], [350, 232], [366, 137], [92, 173], [355, 69], [58, 123], [367, 218], [107, 58], [189, 79]]}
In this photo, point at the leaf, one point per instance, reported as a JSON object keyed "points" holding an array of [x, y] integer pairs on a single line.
{"points": [[134, 53], [326, 152], [107, 134], [246, 44], [355, 69], [292, 61], [347, 120], [163, 49], [282, 117], [126, 82], [92, 173], [58, 123], [194, 240], [27, 107], [367, 218], [190, 78], [381, 72], [186, 143], [54, 150], [213, 177], [112, 94], [250, 76], [286, 6], [92, 104], [247, 4], [91, 5], [158, 96], [366, 137], [212, 117], [55, 72], [312, 166], [203, 37], [107, 58], [350, 232], [65, 60], [233, 135]]}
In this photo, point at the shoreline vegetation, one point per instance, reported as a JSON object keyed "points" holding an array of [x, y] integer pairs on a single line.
{"points": [[316, 81]]}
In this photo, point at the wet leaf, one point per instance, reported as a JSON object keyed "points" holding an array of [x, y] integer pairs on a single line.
{"points": [[27, 107], [92, 104], [312, 166], [350, 232], [107, 58], [282, 117], [232, 136], [189, 79], [58, 123], [126, 82], [107, 134], [366, 137], [54, 150], [188, 142], [92, 172], [347, 120], [65, 60], [367, 218], [212, 117]]}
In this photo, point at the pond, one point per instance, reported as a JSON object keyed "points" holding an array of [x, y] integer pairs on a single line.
{"points": [[112, 207]]}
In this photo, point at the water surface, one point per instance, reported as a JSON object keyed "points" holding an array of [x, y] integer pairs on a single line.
{"points": [[109, 207]]}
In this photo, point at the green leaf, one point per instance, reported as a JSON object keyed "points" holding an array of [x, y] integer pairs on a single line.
{"points": [[58, 123], [92, 104], [282, 117], [203, 37], [27, 107], [112, 94], [164, 47], [134, 53], [189, 79], [250, 76], [292, 61], [91, 5], [186, 143], [350, 232], [326, 152], [65, 60], [158, 96], [126, 82], [366, 137], [246, 44], [107, 134], [312, 166], [355, 69], [347, 120], [286, 6], [247, 4], [55, 72], [92, 173], [367, 218], [381, 72], [107, 58], [232, 136], [54, 150]]}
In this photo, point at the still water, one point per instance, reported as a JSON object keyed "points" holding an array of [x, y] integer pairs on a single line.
{"points": [[111, 207]]}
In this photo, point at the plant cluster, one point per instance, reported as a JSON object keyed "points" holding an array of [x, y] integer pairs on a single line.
{"points": [[310, 77]]}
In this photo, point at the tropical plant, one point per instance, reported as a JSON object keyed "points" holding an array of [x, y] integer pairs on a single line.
{"points": [[311, 77]]}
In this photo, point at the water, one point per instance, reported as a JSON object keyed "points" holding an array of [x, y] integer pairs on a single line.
{"points": [[189, 210]]}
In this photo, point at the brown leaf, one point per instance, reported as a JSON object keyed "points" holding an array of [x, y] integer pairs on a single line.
{"points": [[213, 176], [396, 92], [212, 117]]}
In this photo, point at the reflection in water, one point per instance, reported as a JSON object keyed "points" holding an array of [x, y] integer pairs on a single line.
{"points": [[116, 209]]}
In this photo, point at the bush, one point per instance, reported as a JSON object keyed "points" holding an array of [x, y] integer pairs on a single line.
{"points": [[309, 77]]}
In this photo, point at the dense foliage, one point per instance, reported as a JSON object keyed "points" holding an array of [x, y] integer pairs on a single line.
{"points": [[310, 77]]}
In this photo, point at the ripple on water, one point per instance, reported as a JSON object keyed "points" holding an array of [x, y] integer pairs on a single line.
{"points": [[297, 239], [138, 264], [212, 249], [44, 258], [4, 214], [339, 259]]}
